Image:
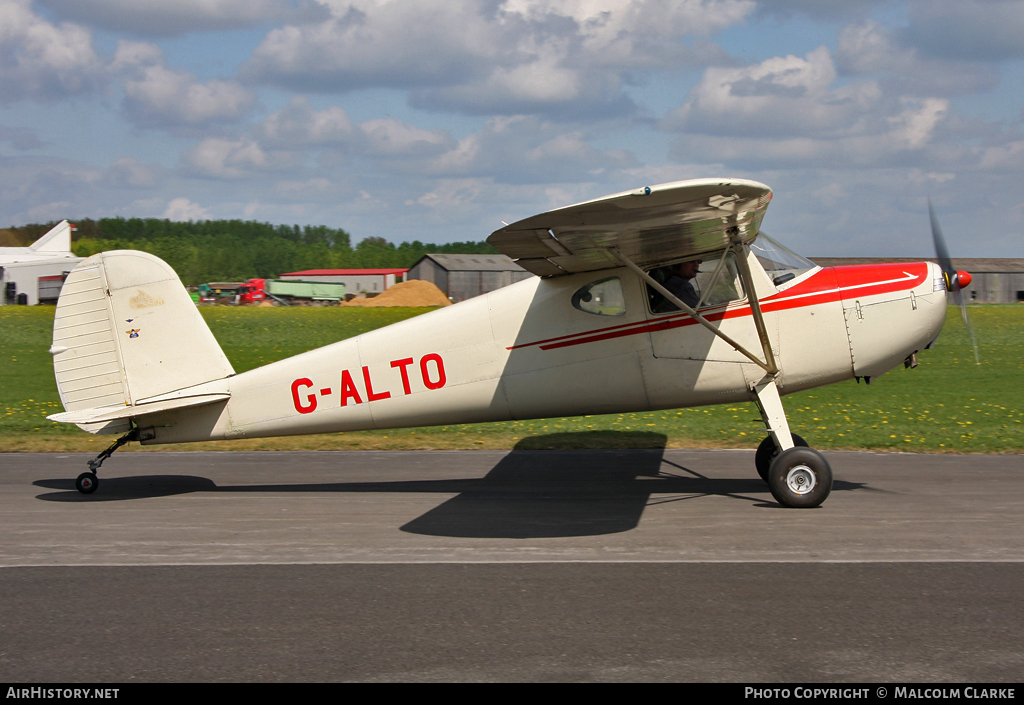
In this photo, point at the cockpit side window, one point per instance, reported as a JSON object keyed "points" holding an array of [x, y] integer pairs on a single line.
{"points": [[698, 283], [603, 298]]}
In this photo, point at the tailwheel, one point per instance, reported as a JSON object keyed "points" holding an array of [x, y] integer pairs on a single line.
{"points": [[800, 478], [87, 483], [767, 451]]}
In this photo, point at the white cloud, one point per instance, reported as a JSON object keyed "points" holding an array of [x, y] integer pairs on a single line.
{"points": [[379, 43], [852, 137], [543, 80], [785, 9], [128, 172], [163, 18], [388, 137], [155, 96], [39, 59], [130, 56], [915, 125], [548, 83], [792, 112], [182, 209], [451, 194], [781, 96], [1004, 158], [298, 125], [528, 150], [631, 33], [479, 57], [869, 49], [227, 159], [516, 149]]}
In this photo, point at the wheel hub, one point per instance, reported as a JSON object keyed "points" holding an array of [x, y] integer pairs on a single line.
{"points": [[801, 479]]}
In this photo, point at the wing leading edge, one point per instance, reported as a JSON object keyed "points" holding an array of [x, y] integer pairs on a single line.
{"points": [[650, 226]]}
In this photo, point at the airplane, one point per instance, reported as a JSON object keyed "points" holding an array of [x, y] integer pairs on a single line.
{"points": [[600, 330]]}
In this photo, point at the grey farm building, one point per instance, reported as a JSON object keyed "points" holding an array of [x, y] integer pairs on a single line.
{"points": [[462, 277]]}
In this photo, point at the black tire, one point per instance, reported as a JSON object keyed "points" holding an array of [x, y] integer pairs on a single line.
{"points": [[87, 483], [767, 451], [800, 478]]}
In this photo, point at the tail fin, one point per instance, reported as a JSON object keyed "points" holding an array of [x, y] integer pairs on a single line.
{"points": [[56, 240], [125, 330]]}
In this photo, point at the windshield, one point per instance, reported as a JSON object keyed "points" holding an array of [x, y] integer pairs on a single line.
{"points": [[781, 263]]}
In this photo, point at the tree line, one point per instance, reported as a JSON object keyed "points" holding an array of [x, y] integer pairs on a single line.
{"points": [[231, 250]]}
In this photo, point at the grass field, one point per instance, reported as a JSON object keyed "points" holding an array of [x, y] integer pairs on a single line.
{"points": [[947, 404]]}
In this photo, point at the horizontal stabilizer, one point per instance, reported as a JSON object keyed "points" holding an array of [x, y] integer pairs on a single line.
{"points": [[127, 412]]}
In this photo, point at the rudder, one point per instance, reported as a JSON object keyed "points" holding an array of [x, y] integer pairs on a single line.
{"points": [[125, 330]]}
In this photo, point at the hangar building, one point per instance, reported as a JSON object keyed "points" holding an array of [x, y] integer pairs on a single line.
{"points": [[35, 274], [462, 277]]}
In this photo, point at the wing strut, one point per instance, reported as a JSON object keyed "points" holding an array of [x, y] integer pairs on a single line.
{"points": [[770, 367], [765, 392]]}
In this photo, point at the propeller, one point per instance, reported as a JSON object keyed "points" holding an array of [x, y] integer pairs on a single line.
{"points": [[955, 281]]}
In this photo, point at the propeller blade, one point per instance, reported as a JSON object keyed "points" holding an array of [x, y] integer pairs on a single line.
{"points": [[941, 253], [967, 323], [952, 277]]}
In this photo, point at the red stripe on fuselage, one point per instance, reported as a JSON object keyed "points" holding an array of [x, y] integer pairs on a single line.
{"points": [[825, 286]]}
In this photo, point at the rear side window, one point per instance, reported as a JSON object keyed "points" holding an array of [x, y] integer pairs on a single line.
{"points": [[603, 298]]}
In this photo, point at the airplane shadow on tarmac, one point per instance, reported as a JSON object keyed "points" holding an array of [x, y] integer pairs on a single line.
{"points": [[542, 489]]}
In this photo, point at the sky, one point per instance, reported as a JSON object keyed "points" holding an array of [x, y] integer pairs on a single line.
{"points": [[440, 120]]}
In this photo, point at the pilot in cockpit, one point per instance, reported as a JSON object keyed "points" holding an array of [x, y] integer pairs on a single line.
{"points": [[679, 282]]}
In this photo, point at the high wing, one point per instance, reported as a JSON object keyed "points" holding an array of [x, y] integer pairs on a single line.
{"points": [[649, 226]]}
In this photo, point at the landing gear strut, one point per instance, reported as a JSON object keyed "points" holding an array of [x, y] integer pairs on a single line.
{"points": [[87, 482], [798, 476]]}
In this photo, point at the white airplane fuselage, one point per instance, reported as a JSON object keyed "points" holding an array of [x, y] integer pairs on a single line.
{"points": [[525, 352]]}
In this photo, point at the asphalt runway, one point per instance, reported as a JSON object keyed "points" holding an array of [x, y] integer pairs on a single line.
{"points": [[594, 566]]}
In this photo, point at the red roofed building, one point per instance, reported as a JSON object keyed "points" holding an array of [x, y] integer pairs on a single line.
{"points": [[371, 281]]}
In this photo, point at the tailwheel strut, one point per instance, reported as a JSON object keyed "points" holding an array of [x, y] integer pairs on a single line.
{"points": [[87, 482]]}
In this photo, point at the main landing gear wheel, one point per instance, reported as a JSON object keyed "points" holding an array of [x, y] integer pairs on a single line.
{"points": [[800, 478], [87, 483], [766, 453]]}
